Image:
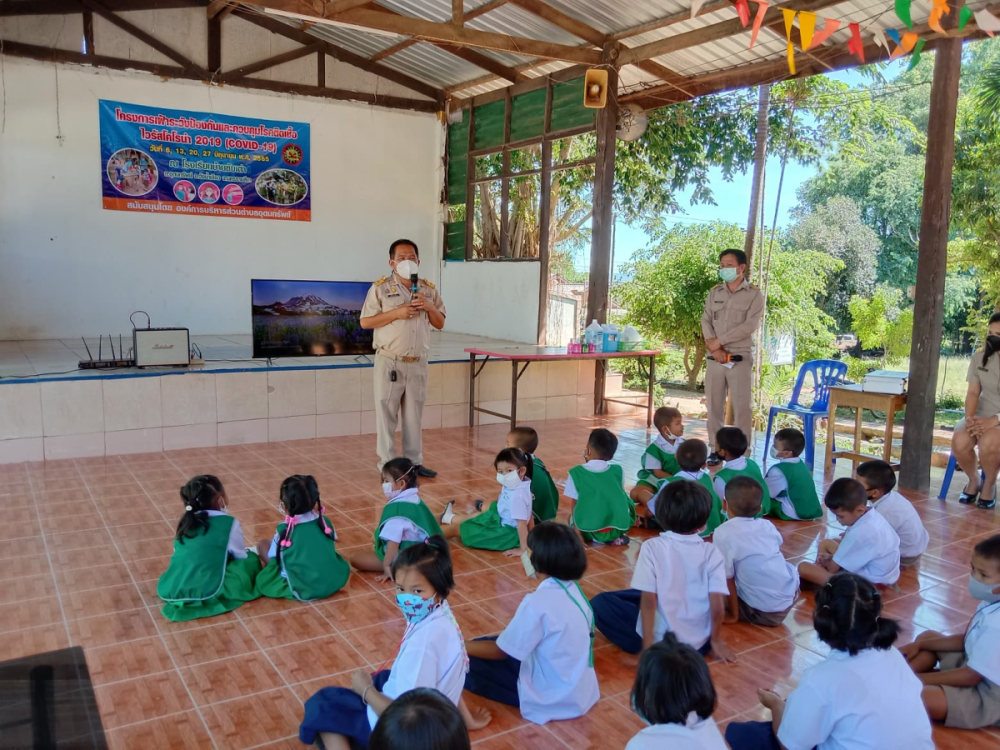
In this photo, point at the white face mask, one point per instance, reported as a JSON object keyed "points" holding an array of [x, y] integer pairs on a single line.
{"points": [[388, 491], [406, 268], [508, 481], [983, 591], [672, 436], [773, 452]]}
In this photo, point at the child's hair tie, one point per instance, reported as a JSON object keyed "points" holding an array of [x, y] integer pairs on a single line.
{"points": [[188, 508]]}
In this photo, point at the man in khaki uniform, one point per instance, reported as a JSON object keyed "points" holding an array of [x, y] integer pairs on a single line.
{"points": [[402, 320], [732, 313]]}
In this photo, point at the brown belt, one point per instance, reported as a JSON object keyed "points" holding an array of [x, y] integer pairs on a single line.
{"points": [[394, 358]]}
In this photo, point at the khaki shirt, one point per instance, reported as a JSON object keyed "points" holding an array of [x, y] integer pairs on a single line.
{"points": [[988, 378], [401, 338], [733, 317]]}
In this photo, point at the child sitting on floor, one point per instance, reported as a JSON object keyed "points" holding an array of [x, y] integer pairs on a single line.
{"points": [[691, 457], [211, 571], [660, 460], [964, 691], [869, 548], [673, 693], [420, 719], [405, 519], [763, 585], [790, 481], [504, 527], [731, 446], [861, 697], [679, 583], [545, 495], [302, 561], [879, 480], [600, 509], [543, 661], [432, 654]]}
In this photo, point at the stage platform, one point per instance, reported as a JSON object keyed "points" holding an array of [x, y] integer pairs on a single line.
{"points": [[49, 409]]}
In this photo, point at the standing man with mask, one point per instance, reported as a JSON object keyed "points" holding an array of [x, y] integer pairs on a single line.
{"points": [[732, 313], [402, 319]]}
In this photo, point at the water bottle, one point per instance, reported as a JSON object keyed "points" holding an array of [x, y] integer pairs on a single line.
{"points": [[594, 337], [610, 338]]}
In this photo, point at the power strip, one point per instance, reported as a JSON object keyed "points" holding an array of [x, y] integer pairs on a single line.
{"points": [[104, 364]]}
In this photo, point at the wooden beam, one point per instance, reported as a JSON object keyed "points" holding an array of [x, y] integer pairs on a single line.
{"points": [[47, 54], [215, 43], [321, 69], [483, 61], [215, 8], [339, 53], [472, 14], [458, 12], [405, 44], [69, 7], [672, 19], [88, 32], [333, 7], [243, 71], [141, 35], [564, 21]]}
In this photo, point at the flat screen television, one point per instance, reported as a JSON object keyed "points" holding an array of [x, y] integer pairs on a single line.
{"points": [[308, 318]]}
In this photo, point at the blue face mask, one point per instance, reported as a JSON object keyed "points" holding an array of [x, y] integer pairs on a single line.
{"points": [[983, 591], [728, 274], [414, 608]]}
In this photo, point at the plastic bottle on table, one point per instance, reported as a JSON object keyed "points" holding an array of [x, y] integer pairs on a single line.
{"points": [[593, 337]]}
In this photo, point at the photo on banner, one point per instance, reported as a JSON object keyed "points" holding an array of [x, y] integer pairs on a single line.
{"points": [[203, 164]]}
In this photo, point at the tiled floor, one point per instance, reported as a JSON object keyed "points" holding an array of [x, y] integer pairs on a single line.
{"points": [[85, 541]]}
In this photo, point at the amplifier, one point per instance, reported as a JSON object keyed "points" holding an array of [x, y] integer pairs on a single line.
{"points": [[161, 347]]}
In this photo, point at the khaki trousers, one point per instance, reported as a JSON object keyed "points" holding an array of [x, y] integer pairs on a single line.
{"points": [[737, 383], [406, 395]]}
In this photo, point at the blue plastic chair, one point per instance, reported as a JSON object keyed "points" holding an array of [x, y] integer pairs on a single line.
{"points": [[949, 472], [825, 372]]}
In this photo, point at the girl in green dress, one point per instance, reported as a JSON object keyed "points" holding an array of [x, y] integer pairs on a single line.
{"points": [[211, 571], [302, 560]]}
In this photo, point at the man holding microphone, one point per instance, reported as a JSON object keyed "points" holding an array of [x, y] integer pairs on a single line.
{"points": [[402, 308]]}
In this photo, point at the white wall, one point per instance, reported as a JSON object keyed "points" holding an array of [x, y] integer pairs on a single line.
{"points": [[492, 298], [69, 268]]}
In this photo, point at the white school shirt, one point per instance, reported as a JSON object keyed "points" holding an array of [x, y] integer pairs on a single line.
{"points": [[737, 464], [751, 548], [777, 486], [870, 548], [595, 465], [400, 529], [651, 462], [698, 734], [682, 570], [982, 642], [693, 476], [866, 702], [515, 505], [237, 547], [432, 655], [903, 518], [550, 636]]}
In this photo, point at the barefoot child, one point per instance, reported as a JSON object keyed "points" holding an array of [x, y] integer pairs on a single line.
{"points": [[599, 507], [211, 571], [545, 503], [879, 480], [692, 456], [405, 519], [731, 446], [660, 460], [790, 481]]}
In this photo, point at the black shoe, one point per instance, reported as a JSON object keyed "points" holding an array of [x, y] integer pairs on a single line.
{"points": [[966, 499], [423, 471], [986, 504]]}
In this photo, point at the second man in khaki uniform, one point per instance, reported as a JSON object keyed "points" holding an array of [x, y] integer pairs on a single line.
{"points": [[402, 321], [732, 314]]}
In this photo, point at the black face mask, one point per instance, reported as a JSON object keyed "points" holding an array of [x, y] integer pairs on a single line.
{"points": [[993, 343]]}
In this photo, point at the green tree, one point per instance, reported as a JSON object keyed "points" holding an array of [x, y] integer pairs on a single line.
{"points": [[881, 325]]}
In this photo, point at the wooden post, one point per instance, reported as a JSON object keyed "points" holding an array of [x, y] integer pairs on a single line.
{"points": [[935, 218], [545, 209], [603, 221], [88, 32], [321, 69]]}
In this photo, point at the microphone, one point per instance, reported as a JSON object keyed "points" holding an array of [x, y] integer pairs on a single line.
{"points": [[413, 282], [732, 357]]}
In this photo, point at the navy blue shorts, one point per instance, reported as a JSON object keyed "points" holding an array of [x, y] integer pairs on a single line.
{"points": [[339, 711]]}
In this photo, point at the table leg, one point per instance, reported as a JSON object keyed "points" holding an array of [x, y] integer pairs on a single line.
{"points": [[652, 384], [890, 418], [472, 390], [513, 394], [831, 437], [858, 415]]}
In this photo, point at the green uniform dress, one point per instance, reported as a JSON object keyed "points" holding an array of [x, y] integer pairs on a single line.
{"points": [[202, 579], [801, 492], [312, 566], [417, 512], [751, 470], [603, 512], [496, 529], [545, 504], [668, 463], [718, 516]]}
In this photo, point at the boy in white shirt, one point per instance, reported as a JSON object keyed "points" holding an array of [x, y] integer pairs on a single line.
{"points": [[880, 481], [964, 690], [660, 459], [790, 481], [543, 661], [763, 585], [679, 583], [869, 548]]}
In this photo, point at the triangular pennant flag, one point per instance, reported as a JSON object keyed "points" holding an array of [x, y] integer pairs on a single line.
{"points": [[758, 20], [696, 6], [903, 11], [915, 57], [963, 16], [879, 36], [939, 10], [906, 44], [855, 46], [743, 8], [790, 19], [791, 58], [830, 25], [987, 21], [807, 27], [894, 36]]}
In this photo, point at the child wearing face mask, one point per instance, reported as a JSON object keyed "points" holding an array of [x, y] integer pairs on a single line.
{"points": [[879, 481], [211, 570], [504, 527], [731, 446], [545, 503], [660, 459], [431, 654], [405, 520], [301, 561], [961, 673], [790, 481], [599, 507]]}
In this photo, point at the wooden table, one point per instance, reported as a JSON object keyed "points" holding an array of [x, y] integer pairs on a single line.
{"points": [[528, 354], [852, 397]]}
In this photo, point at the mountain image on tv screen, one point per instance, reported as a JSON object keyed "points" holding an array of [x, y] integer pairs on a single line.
{"points": [[308, 318]]}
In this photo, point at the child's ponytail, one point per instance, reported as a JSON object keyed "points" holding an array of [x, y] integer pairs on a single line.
{"points": [[886, 633], [198, 496], [848, 615]]}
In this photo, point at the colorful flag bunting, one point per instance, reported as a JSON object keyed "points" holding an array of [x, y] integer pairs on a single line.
{"points": [[758, 20], [987, 21], [963, 16], [855, 46], [938, 11], [880, 39], [807, 27], [903, 11], [743, 8], [830, 25], [789, 15], [894, 36], [915, 57], [906, 44]]}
